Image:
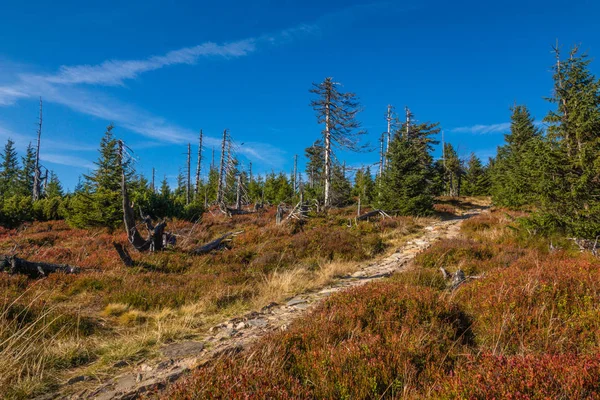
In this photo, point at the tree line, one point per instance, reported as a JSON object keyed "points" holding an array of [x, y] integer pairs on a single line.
{"points": [[551, 168], [555, 172]]}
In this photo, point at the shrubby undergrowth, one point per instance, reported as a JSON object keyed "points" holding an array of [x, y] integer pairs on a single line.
{"points": [[527, 328]]}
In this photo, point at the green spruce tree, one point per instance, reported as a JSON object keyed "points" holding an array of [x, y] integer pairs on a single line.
{"points": [[406, 185]]}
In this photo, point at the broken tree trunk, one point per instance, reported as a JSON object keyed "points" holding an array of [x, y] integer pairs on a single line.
{"points": [[215, 244], [34, 269], [124, 254], [154, 242]]}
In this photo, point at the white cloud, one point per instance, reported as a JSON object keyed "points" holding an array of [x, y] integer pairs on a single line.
{"points": [[114, 72], [68, 160], [62, 88], [483, 129]]}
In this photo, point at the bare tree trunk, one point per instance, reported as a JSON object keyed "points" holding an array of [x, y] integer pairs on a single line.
{"points": [[381, 155], [327, 149], [188, 183], [45, 185], [128, 216], [444, 175], [153, 182], [407, 122], [228, 165], [389, 133], [36, 172], [238, 199], [123, 254], [358, 211], [221, 168], [199, 166], [294, 182], [250, 172]]}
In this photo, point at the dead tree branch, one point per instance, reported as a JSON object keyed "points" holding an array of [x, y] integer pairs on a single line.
{"points": [[458, 278]]}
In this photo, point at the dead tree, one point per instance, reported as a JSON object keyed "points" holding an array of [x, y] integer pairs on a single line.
{"points": [[188, 182], [33, 269], [295, 179], [390, 118], [298, 213], [123, 254], [153, 176], [408, 121], [381, 157], [36, 172], [279, 214], [338, 113], [238, 198], [221, 169], [154, 241], [199, 166]]}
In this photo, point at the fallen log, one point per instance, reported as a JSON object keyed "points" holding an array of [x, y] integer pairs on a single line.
{"points": [[233, 211], [215, 244], [33, 269], [370, 214]]}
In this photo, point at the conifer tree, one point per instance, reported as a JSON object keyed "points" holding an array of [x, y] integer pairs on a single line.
{"points": [[9, 170], [570, 192], [406, 186], [315, 187], [515, 173], [476, 180], [54, 188], [364, 186], [165, 190], [341, 188], [27, 172], [454, 171], [99, 203]]}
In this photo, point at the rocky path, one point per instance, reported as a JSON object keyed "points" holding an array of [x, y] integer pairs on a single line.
{"points": [[236, 334]]}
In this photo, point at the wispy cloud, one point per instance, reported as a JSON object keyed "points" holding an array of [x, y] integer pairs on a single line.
{"points": [[115, 72], [483, 129], [64, 87], [62, 159]]}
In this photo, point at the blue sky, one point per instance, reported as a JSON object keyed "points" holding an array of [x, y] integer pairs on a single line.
{"points": [[161, 70]]}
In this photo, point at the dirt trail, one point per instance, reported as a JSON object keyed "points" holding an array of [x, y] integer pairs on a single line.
{"points": [[238, 333]]}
